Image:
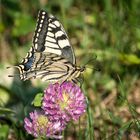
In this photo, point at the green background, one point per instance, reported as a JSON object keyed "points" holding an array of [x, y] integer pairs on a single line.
{"points": [[109, 29]]}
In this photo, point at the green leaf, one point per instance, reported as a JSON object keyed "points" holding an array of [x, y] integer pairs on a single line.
{"points": [[4, 97], [130, 59], [114, 119], [37, 100], [126, 126], [5, 110], [4, 129]]}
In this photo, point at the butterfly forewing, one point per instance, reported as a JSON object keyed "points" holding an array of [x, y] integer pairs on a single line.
{"points": [[50, 36]]}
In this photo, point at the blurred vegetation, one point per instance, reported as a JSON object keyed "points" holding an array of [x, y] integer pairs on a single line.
{"points": [[108, 28]]}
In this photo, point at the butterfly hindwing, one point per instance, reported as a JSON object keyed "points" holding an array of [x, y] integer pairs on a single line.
{"points": [[51, 67]]}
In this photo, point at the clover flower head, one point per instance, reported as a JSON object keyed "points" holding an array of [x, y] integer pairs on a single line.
{"points": [[64, 102], [39, 126]]}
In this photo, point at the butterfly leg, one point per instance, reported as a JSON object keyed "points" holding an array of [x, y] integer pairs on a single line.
{"points": [[79, 80]]}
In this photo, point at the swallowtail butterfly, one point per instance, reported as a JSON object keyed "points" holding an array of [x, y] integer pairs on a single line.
{"points": [[51, 57]]}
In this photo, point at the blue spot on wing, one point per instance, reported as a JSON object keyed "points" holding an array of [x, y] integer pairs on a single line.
{"points": [[29, 63]]}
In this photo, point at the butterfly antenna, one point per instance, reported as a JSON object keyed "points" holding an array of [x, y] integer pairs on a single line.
{"points": [[93, 68], [92, 61]]}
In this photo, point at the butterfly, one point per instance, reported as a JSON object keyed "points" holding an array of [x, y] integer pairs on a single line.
{"points": [[51, 57]]}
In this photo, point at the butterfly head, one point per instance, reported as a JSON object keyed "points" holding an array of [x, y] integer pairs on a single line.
{"points": [[82, 69]]}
